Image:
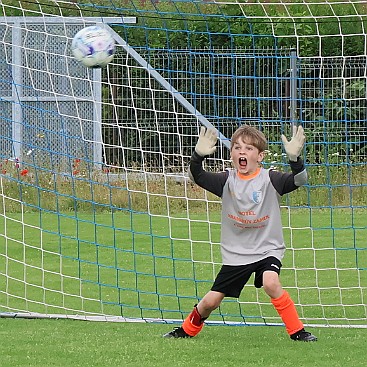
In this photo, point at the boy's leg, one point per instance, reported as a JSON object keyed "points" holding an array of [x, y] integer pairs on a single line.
{"points": [[194, 322], [268, 275], [282, 302], [229, 282], [288, 313]]}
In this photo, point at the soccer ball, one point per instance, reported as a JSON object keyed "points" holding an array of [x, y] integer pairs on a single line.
{"points": [[93, 46]]}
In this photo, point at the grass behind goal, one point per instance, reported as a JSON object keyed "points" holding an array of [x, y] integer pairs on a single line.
{"points": [[134, 265]]}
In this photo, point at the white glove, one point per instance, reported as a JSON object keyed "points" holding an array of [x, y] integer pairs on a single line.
{"points": [[294, 147], [206, 143]]}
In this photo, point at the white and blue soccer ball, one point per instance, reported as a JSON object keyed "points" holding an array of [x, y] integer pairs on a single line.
{"points": [[93, 46]]}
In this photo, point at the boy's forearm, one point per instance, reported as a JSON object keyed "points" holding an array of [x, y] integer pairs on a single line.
{"points": [[210, 181], [297, 166], [299, 172], [195, 166]]}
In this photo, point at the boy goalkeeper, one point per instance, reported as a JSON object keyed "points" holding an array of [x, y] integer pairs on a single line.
{"points": [[251, 234]]}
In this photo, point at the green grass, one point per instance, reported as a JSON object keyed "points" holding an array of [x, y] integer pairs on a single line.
{"points": [[52, 343]]}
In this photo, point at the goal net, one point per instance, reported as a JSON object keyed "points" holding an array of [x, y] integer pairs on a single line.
{"points": [[98, 218]]}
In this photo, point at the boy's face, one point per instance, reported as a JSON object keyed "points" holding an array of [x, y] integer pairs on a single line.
{"points": [[245, 157]]}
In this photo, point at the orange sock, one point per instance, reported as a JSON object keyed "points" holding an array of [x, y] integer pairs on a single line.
{"points": [[287, 311], [193, 323]]}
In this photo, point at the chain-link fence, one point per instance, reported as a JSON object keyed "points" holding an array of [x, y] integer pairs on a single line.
{"points": [[232, 87]]}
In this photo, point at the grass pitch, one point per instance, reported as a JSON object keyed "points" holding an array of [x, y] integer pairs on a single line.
{"points": [[60, 343]]}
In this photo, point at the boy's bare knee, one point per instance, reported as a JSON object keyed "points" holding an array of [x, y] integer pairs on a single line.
{"points": [[210, 302], [272, 286]]}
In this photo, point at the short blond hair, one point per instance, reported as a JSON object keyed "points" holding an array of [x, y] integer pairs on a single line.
{"points": [[250, 135]]}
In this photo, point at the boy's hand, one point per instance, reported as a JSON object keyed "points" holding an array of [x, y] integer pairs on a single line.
{"points": [[294, 147], [206, 143]]}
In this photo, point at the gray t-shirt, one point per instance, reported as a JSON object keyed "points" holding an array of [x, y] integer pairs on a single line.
{"points": [[251, 218], [251, 221]]}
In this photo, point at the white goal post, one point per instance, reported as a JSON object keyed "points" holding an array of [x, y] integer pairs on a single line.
{"points": [[98, 219]]}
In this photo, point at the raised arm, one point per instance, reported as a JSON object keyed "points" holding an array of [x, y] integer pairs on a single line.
{"points": [[287, 182], [210, 181]]}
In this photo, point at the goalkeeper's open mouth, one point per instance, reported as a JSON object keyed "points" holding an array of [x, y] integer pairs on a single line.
{"points": [[242, 162]]}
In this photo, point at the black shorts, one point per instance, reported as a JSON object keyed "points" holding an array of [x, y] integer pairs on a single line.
{"points": [[232, 278]]}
